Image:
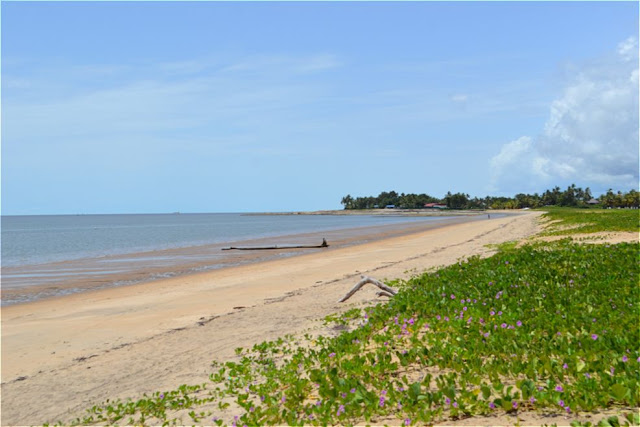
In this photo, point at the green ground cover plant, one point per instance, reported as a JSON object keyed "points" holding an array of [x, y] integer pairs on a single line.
{"points": [[566, 221], [546, 327]]}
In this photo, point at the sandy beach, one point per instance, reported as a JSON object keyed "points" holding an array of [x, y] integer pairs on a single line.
{"points": [[63, 355]]}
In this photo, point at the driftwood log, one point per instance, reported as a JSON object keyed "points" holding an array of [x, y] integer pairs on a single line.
{"points": [[262, 248], [386, 290]]}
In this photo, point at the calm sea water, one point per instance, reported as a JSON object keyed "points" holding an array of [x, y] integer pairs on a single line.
{"points": [[31, 240], [50, 256]]}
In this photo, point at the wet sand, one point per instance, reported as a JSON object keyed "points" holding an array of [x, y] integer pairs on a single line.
{"points": [[63, 355], [34, 282]]}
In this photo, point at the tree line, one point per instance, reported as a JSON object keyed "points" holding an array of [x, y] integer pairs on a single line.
{"points": [[572, 197]]}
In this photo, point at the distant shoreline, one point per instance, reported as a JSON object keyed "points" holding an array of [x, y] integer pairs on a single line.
{"points": [[385, 212]]}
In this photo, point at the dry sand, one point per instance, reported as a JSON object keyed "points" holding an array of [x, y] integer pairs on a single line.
{"points": [[61, 356]]}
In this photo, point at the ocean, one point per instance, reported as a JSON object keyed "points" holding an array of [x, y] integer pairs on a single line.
{"points": [[53, 255]]}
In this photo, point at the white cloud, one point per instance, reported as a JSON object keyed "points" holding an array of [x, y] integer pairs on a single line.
{"points": [[318, 63], [460, 98], [267, 64], [590, 137], [628, 49]]}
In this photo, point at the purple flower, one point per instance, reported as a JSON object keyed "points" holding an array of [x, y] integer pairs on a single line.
{"points": [[565, 366], [515, 405], [455, 404], [447, 401], [284, 399], [567, 409], [353, 390], [486, 334], [519, 323], [625, 358], [453, 296], [594, 337], [612, 370], [438, 317], [559, 388], [532, 399], [561, 403], [587, 375], [492, 405], [492, 312], [464, 308], [407, 422], [162, 396], [499, 313], [446, 318], [262, 398], [318, 403], [381, 401], [332, 355], [343, 395], [504, 325], [340, 410], [383, 392]]}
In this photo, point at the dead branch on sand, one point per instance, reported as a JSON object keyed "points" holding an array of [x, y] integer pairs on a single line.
{"points": [[386, 290]]}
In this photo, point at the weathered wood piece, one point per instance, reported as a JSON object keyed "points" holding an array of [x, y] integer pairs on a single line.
{"points": [[383, 294], [388, 291], [261, 248]]}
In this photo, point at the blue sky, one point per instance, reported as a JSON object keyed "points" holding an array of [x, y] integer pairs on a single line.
{"points": [[111, 107]]}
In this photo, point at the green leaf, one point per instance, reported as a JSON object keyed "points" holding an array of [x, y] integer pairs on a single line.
{"points": [[619, 392], [486, 392]]}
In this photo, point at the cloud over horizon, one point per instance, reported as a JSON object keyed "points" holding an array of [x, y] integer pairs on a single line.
{"points": [[590, 137]]}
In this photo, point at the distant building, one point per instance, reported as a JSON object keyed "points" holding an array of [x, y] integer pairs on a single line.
{"points": [[593, 202], [435, 206], [390, 206]]}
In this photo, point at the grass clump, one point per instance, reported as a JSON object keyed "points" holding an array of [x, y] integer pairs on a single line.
{"points": [[538, 328], [566, 221]]}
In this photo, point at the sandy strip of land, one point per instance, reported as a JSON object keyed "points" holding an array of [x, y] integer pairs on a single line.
{"points": [[63, 355]]}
